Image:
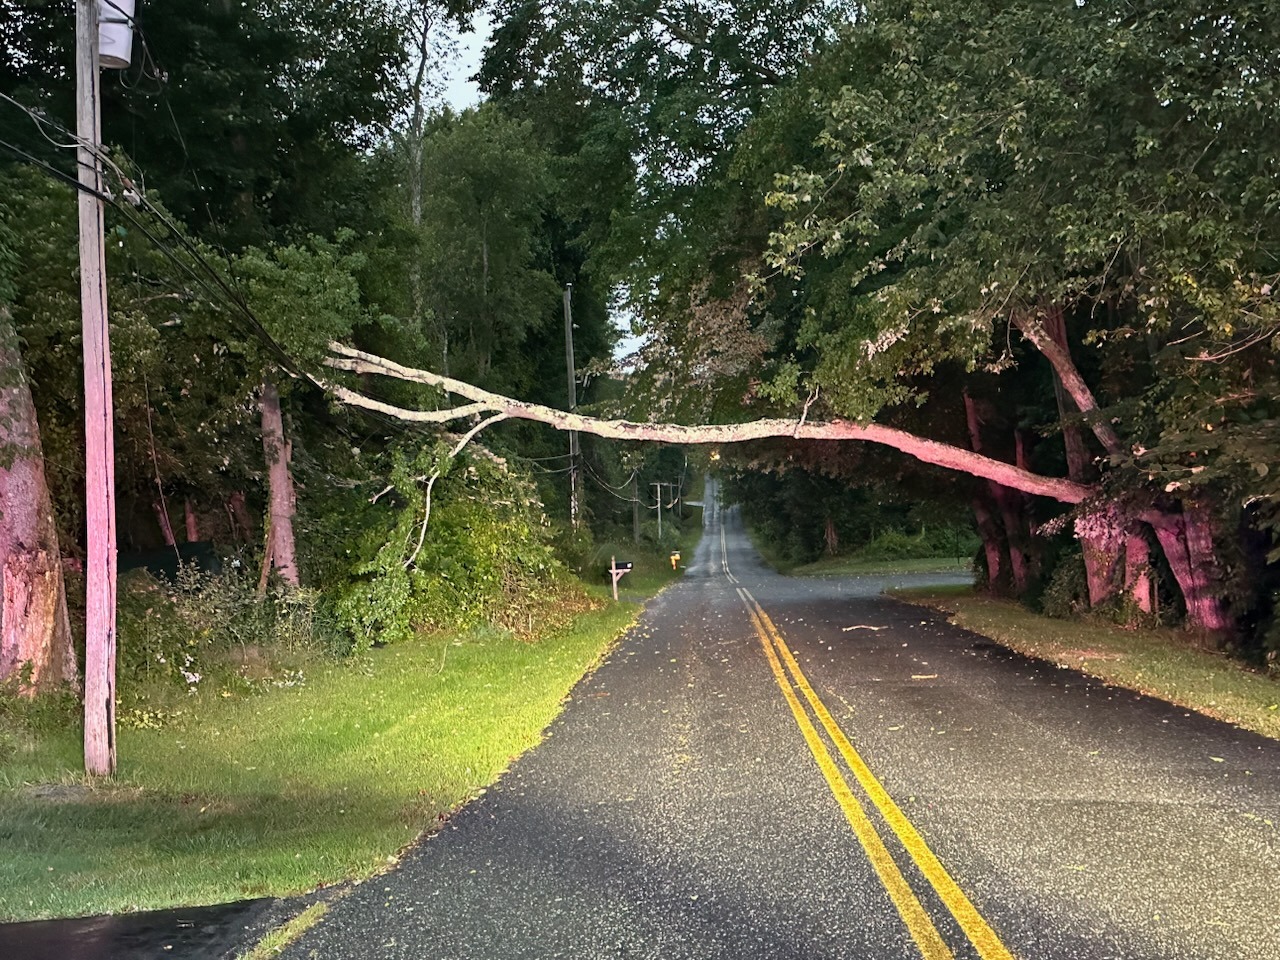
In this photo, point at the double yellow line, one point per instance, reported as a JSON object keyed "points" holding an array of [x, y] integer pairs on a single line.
{"points": [[795, 685]]}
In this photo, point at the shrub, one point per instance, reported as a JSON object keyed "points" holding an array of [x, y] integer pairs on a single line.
{"points": [[485, 556], [207, 628], [1066, 593]]}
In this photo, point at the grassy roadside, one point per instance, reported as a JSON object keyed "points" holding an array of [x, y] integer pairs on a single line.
{"points": [[1162, 663], [288, 790], [847, 567], [652, 567], [850, 566]]}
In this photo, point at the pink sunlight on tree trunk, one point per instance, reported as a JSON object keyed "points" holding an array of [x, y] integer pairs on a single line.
{"points": [[1187, 543], [281, 502], [1137, 571], [35, 632], [162, 519], [1097, 543], [193, 524]]}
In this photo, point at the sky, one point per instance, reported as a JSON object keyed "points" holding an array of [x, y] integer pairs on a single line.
{"points": [[460, 92]]}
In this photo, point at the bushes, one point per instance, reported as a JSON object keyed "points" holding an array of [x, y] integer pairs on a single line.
{"points": [[484, 555], [210, 630]]}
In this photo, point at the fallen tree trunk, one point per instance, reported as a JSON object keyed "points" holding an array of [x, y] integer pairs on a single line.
{"points": [[483, 402]]}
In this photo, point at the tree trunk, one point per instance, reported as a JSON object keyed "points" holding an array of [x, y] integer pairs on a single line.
{"points": [[1005, 505], [832, 538], [1137, 571], [162, 521], [238, 513], [1100, 535], [1211, 608], [193, 523], [992, 547], [280, 496], [635, 507], [1095, 532], [1050, 338], [1197, 575], [35, 631]]}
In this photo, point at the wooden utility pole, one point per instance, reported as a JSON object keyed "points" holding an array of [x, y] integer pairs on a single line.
{"points": [[575, 494], [660, 485], [100, 514], [635, 507]]}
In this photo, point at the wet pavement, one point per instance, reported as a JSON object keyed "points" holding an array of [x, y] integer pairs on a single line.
{"points": [[191, 933], [1010, 809]]}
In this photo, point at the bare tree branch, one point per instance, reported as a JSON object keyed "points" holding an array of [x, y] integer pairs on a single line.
{"points": [[435, 475], [1072, 382], [927, 451]]}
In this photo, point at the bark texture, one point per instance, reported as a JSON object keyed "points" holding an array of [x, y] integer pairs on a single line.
{"points": [[162, 520], [482, 401], [35, 632], [1096, 533], [192, 522], [1186, 540], [281, 501], [1137, 572], [1006, 506]]}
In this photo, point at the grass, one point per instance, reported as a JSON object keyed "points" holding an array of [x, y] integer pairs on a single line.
{"points": [[274, 943], [1162, 663], [852, 566], [652, 566], [285, 791]]}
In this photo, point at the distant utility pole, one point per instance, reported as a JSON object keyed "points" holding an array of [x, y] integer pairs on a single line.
{"points": [[660, 485], [635, 506], [100, 512], [574, 480]]}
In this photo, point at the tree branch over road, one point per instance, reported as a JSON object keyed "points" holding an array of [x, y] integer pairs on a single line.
{"points": [[482, 401]]}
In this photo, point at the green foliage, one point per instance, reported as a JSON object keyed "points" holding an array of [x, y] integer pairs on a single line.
{"points": [[211, 631], [482, 555], [305, 296], [1066, 594]]}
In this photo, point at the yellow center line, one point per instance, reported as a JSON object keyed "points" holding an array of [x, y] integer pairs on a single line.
{"points": [[918, 921], [984, 939]]}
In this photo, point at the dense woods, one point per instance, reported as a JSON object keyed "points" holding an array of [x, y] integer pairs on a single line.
{"points": [[1024, 254]]}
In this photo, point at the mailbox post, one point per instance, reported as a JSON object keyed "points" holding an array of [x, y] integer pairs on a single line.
{"points": [[618, 570]]}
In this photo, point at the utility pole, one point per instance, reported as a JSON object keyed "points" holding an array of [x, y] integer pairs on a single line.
{"points": [[100, 514], [660, 485], [574, 480], [635, 506]]}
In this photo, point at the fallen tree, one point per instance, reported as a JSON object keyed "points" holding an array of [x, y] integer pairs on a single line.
{"points": [[484, 402]]}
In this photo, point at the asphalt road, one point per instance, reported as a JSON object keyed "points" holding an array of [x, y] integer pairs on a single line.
{"points": [[799, 768]]}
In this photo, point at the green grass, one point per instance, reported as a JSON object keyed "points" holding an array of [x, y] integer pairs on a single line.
{"points": [[652, 566], [287, 790], [274, 943], [1162, 663], [850, 566]]}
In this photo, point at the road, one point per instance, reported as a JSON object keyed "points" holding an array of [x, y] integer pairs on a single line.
{"points": [[799, 768]]}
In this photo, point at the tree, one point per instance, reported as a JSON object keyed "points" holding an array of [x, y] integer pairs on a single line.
{"points": [[303, 296], [35, 633], [485, 402], [986, 171]]}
